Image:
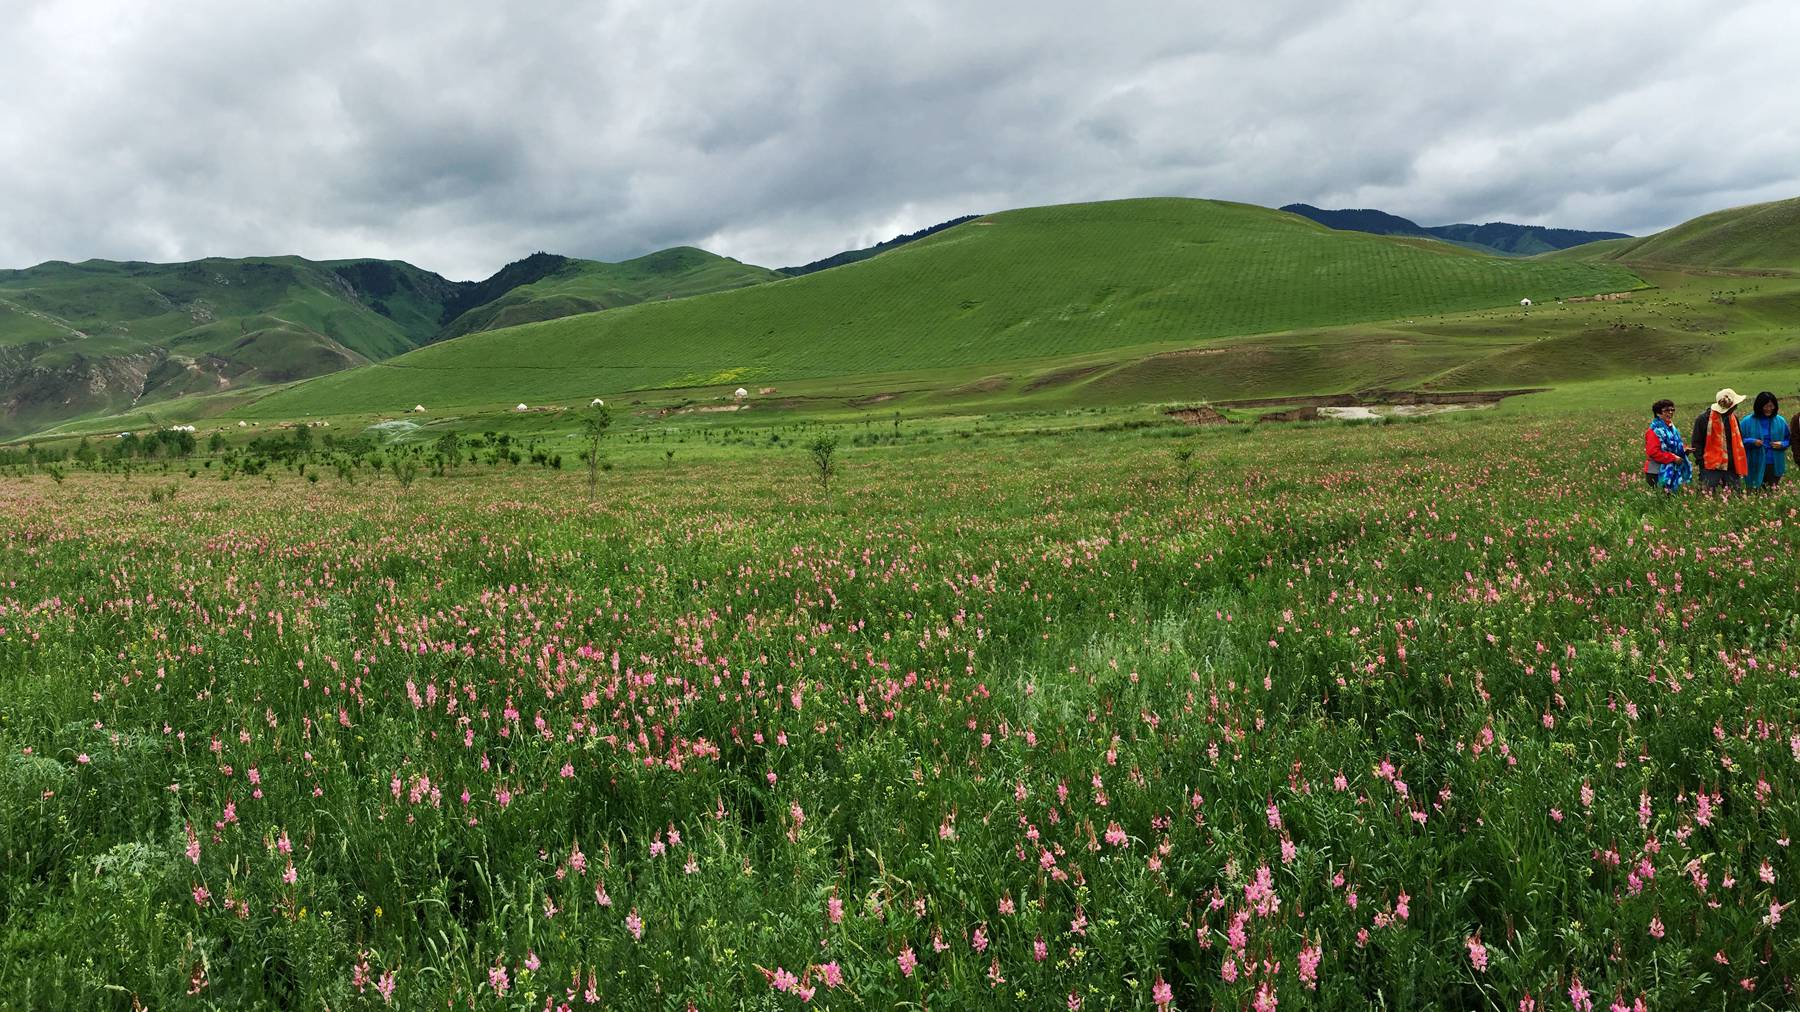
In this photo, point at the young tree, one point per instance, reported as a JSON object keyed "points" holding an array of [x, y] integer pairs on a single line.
{"points": [[824, 459], [593, 426], [449, 450]]}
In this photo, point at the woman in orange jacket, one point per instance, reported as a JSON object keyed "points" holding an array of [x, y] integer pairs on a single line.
{"points": [[1719, 444]]}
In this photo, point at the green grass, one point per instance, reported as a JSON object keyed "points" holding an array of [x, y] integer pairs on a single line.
{"points": [[1017, 287], [265, 742]]}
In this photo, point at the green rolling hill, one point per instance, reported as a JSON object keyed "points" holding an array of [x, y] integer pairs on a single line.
{"points": [[1020, 286], [1757, 237]]}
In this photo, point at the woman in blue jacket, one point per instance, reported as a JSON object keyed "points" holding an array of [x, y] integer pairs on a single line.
{"points": [[1765, 443]]}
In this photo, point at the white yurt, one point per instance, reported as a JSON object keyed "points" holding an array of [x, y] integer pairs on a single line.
{"points": [[521, 408]]}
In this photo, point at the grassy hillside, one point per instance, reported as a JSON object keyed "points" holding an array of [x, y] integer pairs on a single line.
{"points": [[101, 336], [1014, 287], [149, 303], [1756, 237], [586, 286], [859, 255]]}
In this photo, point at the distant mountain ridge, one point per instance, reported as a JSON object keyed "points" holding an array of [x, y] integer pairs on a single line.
{"points": [[856, 255], [1497, 237]]}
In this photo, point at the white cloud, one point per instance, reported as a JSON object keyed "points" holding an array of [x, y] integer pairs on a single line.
{"points": [[461, 136]]}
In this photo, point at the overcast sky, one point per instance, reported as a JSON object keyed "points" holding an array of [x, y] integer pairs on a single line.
{"points": [[460, 136]]}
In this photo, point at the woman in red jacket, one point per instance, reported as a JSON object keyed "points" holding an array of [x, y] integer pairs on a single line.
{"points": [[1665, 458]]}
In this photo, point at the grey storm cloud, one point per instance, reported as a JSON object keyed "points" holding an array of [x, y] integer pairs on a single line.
{"points": [[460, 136]]}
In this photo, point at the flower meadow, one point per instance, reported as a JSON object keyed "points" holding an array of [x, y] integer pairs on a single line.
{"points": [[1442, 715]]}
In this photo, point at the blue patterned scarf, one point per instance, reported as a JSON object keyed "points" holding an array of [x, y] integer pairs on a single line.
{"points": [[1679, 473]]}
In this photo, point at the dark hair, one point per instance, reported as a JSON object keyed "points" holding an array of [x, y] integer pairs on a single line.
{"points": [[1657, 408], [1765, 398]]}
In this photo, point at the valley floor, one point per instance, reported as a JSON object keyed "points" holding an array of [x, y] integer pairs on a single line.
{"points": [[1442, 714]]}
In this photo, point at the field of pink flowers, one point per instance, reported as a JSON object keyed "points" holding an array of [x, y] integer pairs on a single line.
{"points": [[1416, 716]]}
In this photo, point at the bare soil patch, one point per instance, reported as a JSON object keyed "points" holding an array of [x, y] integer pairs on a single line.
{"points": [[1201, 415]]}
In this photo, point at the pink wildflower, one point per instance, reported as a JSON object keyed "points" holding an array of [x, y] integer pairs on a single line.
{"points": [[1260, 892], [1309, 966], [1478, 956], [1578, 996]]}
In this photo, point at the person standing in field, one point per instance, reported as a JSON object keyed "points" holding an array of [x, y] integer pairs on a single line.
{"points": [[1666, 458], [1765, 443], [1794, 424], [1720, 443]]}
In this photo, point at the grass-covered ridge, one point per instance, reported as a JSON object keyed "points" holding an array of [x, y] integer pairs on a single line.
{"points": [[1758, 236], [587, 286], [1021, 285]]}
